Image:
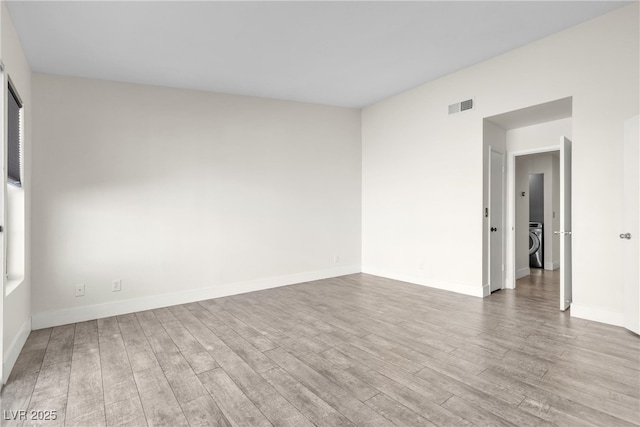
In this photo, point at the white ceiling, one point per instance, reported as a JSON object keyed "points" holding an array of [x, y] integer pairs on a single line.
{"points": [[350, 53]]}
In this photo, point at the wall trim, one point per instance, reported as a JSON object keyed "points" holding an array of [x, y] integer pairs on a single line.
{"points": [[115, 308], [597, 314], [486, 290], [552, 265], [13, 351], [523, 272], [460, 288]]}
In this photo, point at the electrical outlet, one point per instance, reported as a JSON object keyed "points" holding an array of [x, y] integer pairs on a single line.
{"points": [[79, 290], [116, 285], [336, 259]]}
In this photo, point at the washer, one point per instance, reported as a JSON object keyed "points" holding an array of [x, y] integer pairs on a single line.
{"points": [[535, 245]]}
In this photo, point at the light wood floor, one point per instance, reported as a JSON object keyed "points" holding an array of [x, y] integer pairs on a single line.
{"points": [[354, 350]]}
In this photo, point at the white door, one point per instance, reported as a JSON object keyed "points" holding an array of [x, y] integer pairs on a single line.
{"points": [[495, 221], [565, 224], [631, 227], [3, 135]]}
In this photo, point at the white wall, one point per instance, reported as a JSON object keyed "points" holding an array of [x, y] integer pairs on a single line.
{"points": [[521, 206], [17, 304], [185, 195], [541, 135], [424, 173]]}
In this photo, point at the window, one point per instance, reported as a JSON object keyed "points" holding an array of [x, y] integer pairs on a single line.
{"points": [[14, 208], [14, 138]]}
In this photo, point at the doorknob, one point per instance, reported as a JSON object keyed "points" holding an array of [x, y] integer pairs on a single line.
{"points": [[494, 229], [625, 236]]}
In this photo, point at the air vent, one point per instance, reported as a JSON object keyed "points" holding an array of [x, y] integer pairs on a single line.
{"points": [[461, 106]]}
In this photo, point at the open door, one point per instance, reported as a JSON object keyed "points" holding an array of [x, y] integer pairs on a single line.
{"points": [[3, 277], [631, 231], [565, 224], [496, 240]]}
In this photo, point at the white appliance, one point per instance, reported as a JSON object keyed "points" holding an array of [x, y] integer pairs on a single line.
{"points": [[535, 245]]}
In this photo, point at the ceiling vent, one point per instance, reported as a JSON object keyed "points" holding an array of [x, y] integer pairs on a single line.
{"points": [[461, 106]]}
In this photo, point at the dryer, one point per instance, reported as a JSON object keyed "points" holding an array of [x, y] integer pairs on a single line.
{"points": [[536, 259]]}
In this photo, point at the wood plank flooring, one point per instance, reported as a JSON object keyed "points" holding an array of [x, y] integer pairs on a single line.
{"points": [[354, 350]]}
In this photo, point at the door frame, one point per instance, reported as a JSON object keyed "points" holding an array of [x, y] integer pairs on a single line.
{"points": [[502, 223], [510, 266]]}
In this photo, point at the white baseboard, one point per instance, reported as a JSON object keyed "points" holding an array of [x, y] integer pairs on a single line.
{"points": [[522, 272], [476, 291], [597, 314], [97, 311], [486, 290], [552, 265], [13, 351]]}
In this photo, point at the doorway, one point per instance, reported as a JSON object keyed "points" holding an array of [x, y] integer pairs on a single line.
{"points": [[546, 171], [536, 218], [537, 206], [540, 131]]}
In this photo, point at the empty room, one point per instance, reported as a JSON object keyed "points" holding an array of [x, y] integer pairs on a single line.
{"points": [[378, 213]]}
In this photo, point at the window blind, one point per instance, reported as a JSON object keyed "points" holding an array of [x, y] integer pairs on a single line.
{"points": [[14, 137]]}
